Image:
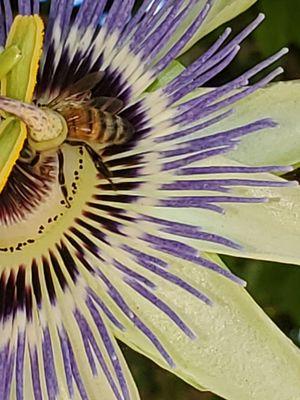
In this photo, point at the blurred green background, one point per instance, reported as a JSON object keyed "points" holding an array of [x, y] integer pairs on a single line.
{"points": [[275, 287]]}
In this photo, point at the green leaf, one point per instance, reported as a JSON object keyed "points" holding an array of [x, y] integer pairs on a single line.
{"points": [[281, 26]]}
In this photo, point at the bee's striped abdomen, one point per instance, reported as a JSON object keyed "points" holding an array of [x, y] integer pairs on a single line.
{"points": [[94, 125]]}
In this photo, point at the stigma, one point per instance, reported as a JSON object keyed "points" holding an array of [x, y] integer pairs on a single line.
{"points": [[47, 129]]}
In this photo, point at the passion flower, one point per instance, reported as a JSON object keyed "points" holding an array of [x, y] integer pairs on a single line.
{"points": [[101, 240]]}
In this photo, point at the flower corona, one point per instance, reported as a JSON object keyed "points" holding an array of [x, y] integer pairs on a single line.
{"points": [[91, 232]]}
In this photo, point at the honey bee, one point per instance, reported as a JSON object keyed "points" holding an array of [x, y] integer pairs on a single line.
{"points": [[76, 118], [93, 120]]}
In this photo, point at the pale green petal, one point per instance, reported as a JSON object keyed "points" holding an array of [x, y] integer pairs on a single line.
{"points": [[280, 101], [238, 353], [267, 231], [221, 12], [171, 72]]}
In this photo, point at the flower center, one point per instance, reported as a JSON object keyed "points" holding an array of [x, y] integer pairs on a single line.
{"points": [[29, 183], [73, 118]]}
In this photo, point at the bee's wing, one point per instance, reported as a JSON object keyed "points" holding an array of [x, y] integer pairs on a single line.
{"points": [[108, 104], [80, 89], [85, 84]]}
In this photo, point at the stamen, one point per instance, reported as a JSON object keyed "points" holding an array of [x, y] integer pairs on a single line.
{"points": [[175, 50], [195, 112], [191, 69]]}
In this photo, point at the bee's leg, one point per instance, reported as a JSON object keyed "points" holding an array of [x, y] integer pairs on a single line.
{"points": [[29, 156], [32, 160], [100, 165], [35, 159], [61, 178], [97, 160]]}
